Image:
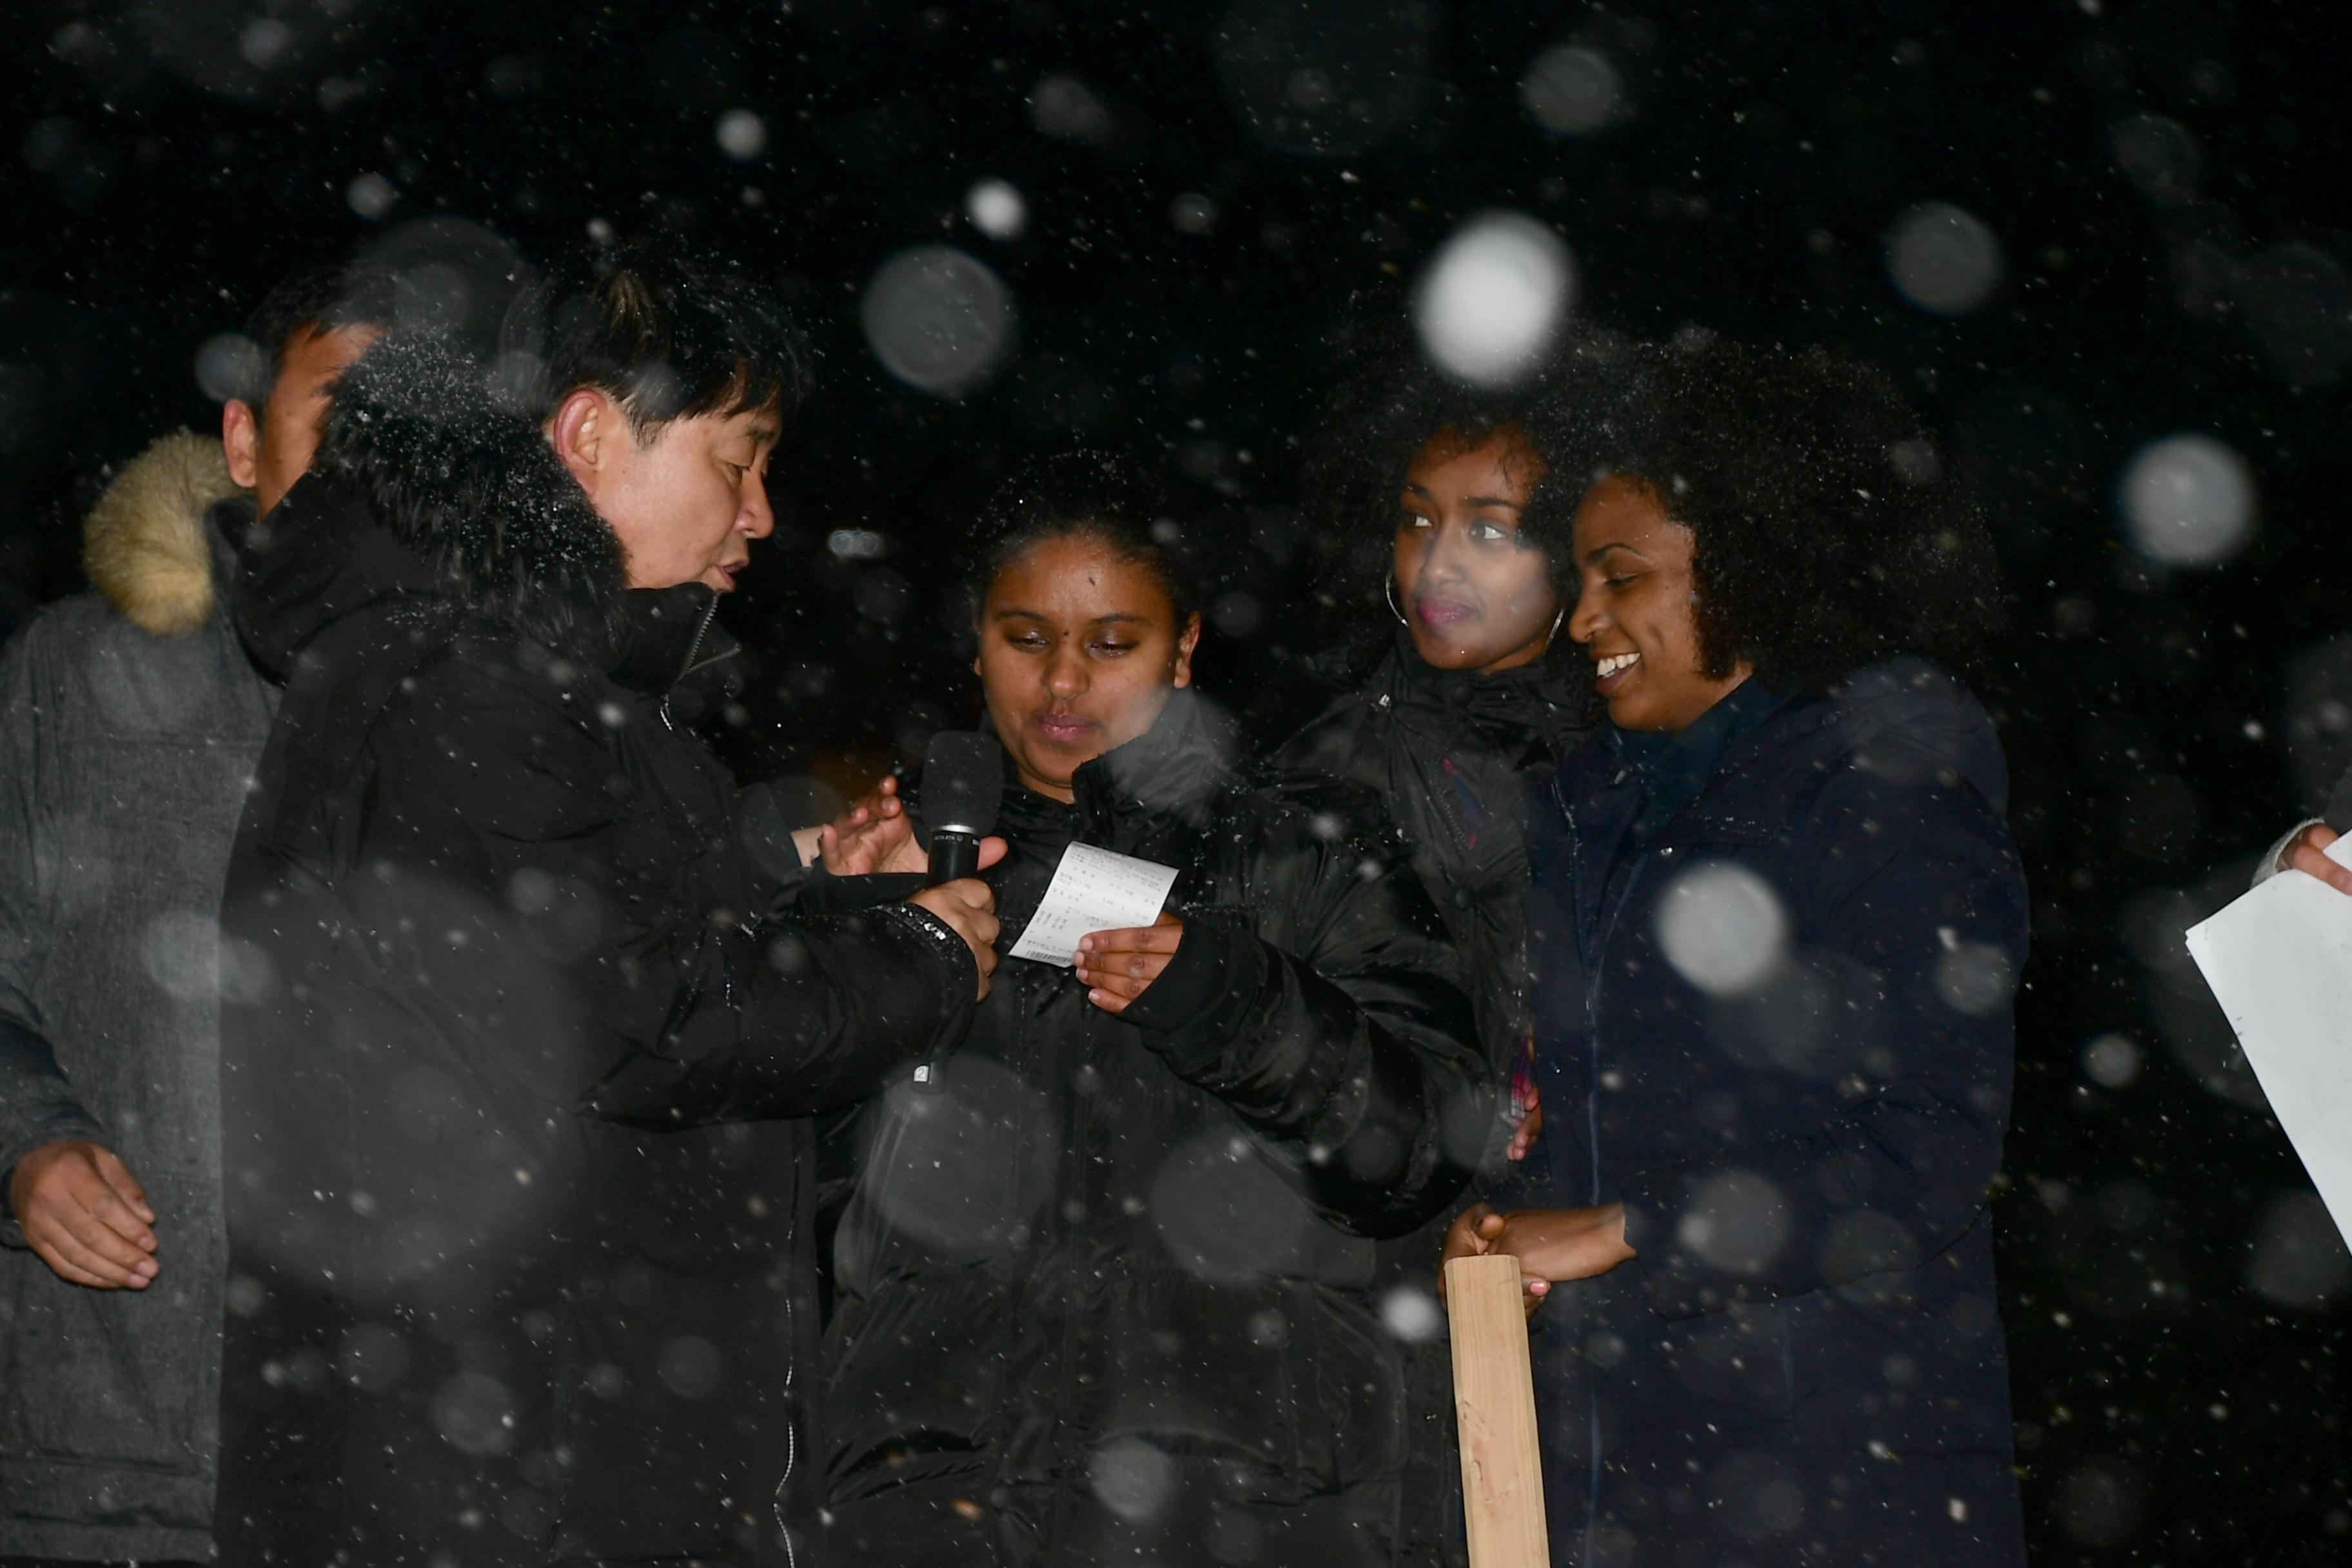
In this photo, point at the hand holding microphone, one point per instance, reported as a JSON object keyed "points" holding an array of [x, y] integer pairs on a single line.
{"points": [[963, 785]]}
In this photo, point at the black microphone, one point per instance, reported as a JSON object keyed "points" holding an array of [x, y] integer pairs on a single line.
{"points": [[963, 785]]}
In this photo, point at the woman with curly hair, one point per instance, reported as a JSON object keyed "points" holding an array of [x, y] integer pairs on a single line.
{"points": [[1775, 923], [1453, 505]]}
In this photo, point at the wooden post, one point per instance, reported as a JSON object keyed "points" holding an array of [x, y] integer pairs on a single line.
{"points": [[1495, 1409]]}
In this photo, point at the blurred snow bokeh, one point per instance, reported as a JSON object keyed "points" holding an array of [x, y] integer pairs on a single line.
{"points": [[1723, 928], [996, 209], [1738, 1221], [1495, 297], [231, 364], [1411, 1314], [1572, 91], [1943, 258], [1326, 78], [1068, 110], [372, 196], [2112, 1061], [938, 319], [946, 1173], [2298, 1258], [2187, 500], [2158, 156], [743, 135], [1134, 1479]]}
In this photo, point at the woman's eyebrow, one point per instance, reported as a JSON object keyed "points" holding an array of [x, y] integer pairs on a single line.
{"points": [[1415, 490], [1592, 556]]}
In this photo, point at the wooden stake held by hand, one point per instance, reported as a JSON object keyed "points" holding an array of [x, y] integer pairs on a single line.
{"points": [[1495, 1409]]}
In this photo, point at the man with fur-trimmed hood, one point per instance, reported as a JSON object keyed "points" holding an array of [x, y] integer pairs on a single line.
{"points": [[131, 721], [519, 1040]]}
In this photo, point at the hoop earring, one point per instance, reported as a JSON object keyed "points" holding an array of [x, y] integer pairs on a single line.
{"points": [[1553, 635], [1388, 587]]}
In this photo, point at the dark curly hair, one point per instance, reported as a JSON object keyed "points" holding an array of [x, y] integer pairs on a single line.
{"points": [[1389, 401], [1829, 534], [1096, 495]]}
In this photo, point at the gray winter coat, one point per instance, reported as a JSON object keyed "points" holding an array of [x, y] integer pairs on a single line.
{"points": [[133, 722]]}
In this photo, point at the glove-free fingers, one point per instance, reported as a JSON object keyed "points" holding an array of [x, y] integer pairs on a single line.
{"points": [[90, 1214], [972, 890], [86, 1254], [69, 1271], [1136, 938], [2311, 861], [1125, 987], [126, 1185], [110, 1220]]}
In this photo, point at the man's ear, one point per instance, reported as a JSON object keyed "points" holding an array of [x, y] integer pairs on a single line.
{"points": [[582, 430], [241, 442], [1186, 641]]}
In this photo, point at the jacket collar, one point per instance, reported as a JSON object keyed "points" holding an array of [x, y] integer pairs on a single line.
{"points": [[1905, 721], [1171, 770], [1543, 708], [428, 488]]}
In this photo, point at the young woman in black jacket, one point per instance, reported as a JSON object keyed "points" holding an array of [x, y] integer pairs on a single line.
{"points": [[1105, 1297], [1454, 503], [1454, 511]]}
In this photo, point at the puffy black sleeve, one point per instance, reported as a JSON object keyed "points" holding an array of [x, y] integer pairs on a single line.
{"points": [[512, 863], [1330, 1016]]}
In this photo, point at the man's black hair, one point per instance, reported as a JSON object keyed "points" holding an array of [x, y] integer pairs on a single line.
{"points": [[666, 335], [324, 298], [1828, 535], [1091, 495]]}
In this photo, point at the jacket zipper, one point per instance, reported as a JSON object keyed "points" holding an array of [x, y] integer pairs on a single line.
{"points": [[1596, 969], [702, 630]]}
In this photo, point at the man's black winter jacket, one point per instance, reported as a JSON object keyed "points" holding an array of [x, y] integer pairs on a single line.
{"points": [[516, 1274]]}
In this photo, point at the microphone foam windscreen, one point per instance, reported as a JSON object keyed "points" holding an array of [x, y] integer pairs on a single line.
{"points": [[963, 782]]}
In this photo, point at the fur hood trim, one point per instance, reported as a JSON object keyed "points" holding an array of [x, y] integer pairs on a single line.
{"points": [[460, 477], [145, 545]]}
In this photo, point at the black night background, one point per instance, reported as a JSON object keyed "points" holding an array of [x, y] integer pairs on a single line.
{"points": [[1192, 222]]}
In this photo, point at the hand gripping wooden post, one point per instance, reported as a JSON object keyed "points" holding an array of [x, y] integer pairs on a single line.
{"points": [[1494, 1410]]}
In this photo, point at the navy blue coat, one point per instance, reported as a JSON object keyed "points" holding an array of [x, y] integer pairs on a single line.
{"points": [[1779, 1031]]}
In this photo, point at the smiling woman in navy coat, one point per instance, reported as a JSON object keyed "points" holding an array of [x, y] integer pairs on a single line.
{"points": [[1776, 923]]}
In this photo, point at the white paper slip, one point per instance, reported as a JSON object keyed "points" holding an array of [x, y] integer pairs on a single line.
{"points": [[1093, 889], [2280, 961]]}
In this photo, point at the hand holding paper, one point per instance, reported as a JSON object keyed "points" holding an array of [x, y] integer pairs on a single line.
{"points": [[1094, 891], [1121, 965], [2280, 961]]}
